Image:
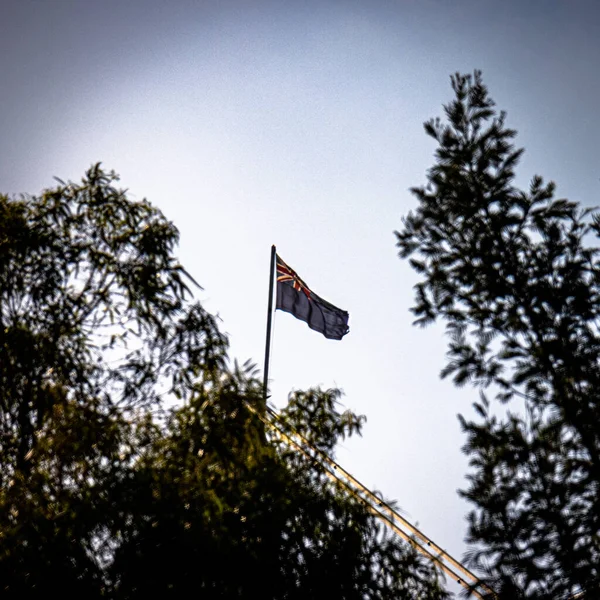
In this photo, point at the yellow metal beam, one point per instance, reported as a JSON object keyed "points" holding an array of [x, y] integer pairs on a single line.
{"points": [[379, 508]]}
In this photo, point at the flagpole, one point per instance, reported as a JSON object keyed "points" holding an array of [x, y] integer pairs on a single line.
{"points": [[269, 320]]}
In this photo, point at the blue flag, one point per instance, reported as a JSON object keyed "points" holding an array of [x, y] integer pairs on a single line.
{"points": [[295, 297]]}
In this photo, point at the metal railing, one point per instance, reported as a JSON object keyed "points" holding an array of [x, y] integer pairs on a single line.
{"points": [[378, 507]]}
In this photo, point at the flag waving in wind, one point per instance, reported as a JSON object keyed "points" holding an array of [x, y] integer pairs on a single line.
{"points": [[295, 297]]}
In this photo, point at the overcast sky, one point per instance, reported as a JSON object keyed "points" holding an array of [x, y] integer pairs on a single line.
{"points": [[299, 124]]}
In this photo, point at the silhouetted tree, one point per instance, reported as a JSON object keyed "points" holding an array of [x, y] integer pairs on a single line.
{"points": [[84, 272], [515, 276], [134, 461]]}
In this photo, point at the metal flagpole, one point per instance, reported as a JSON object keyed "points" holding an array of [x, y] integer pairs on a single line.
{"points": [[269, 320]]}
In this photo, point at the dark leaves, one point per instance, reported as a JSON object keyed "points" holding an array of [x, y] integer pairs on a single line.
{"points": [[134, 461], [512, 275]]}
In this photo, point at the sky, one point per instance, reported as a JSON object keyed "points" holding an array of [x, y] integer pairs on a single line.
{"points": [[251, 123]]}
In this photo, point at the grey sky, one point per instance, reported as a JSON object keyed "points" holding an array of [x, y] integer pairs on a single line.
{"points": [[300, 124]]}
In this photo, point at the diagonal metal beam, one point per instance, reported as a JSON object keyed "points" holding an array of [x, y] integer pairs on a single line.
{"points": [[378, 507]]}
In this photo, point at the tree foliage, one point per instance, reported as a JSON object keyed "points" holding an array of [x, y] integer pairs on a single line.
{"points": [[134, 460], [515, 276]]}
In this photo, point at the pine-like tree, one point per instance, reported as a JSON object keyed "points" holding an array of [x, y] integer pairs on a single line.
{"points": [[515, 276]]}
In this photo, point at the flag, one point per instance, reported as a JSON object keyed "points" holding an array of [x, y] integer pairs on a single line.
{"points": [[295, 297]]}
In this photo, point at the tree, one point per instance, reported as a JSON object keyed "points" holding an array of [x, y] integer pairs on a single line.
{"points": [[134, 460], [514, 274], [215, 510], [83, 272]]}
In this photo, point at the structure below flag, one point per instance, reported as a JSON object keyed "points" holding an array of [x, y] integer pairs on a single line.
{"points": [[294, 296]]}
